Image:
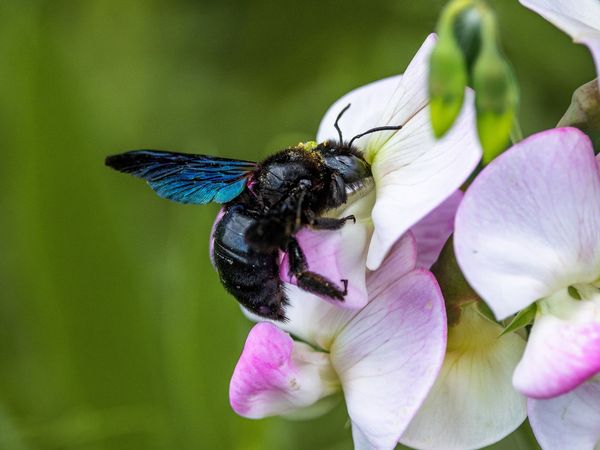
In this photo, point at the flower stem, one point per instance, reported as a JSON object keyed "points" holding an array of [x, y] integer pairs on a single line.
{"points": [[516, 134]]}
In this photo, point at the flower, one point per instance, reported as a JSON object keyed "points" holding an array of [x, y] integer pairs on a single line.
{"points": [[472, 403], [580, 20], [413, 173], [569, 421], [384, 357], [528, 232], [385, 346]]}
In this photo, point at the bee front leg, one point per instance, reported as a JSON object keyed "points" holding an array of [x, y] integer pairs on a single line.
{"points": [[311, 281]]}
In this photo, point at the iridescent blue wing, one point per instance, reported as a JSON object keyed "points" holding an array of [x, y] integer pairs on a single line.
{"points": [[186, 178]]}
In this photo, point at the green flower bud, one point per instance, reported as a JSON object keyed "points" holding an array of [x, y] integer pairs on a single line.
{"points": [[447, 83], [496, 95], [467, 29]]}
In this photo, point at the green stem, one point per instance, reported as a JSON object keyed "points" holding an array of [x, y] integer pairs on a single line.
{"points": [[516, 135]]}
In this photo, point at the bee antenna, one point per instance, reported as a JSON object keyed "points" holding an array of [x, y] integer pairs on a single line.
{"points": [[337, 127], [374, 130]]}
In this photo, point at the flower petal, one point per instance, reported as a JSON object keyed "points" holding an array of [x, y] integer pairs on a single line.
{"points": [[433, 230], [414, 173], [581, 21], [570, 421], [577, 22], [563, 349], [388, 355], [318, 322], [276, 375], [339, 254], [472, 403], [529, 224], [391, 101], [402, 258]]}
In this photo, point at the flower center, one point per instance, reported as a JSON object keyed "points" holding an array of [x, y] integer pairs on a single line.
{"points": [[578, 303]]}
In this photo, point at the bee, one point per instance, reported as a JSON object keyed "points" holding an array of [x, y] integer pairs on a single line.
{"points": [[264, 205]]}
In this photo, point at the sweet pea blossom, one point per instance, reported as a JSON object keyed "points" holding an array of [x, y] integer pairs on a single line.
{"points": [[528, 231], [384, 357], [579, 19], [384, 348], [472, 403], [412, 172]]}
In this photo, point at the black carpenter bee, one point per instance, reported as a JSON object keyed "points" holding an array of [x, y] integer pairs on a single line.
{"points": [[265, 205]]}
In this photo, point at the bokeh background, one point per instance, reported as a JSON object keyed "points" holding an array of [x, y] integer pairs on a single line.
{"points": [[114, 330]]}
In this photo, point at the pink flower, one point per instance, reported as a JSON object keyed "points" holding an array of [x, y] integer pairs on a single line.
{"points": [[384, 345], [413, 173], [384, 357], [528, 231]]}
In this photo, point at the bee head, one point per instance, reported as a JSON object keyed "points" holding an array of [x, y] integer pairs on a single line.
{"points": [[347, 161]]}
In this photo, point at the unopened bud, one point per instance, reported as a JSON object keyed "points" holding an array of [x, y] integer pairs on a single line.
{"points": [[447, 81], [496, 97]]}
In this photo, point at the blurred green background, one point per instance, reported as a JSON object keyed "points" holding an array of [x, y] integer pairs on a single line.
{"points": [[114, 330]]}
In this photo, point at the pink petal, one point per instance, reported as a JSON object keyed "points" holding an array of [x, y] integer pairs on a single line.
{"points": [[529, 224], [276, 375], [318, 322], [402, 258], [562, 352], [339, 254], [388, 356], [433, 230], [571, 421]]}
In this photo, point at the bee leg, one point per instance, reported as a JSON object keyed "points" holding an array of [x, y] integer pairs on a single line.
{"points": [[311, 281], [329, 223]]}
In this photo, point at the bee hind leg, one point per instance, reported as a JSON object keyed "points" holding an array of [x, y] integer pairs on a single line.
{"points": [[311, 281], [330, 223]]}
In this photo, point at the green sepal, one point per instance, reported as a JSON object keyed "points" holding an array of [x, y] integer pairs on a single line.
{"points": [[521, 320], [584, 112], [484, 310]]}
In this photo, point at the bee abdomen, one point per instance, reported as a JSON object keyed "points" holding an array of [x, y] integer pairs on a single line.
{"points": [[252, 277]]}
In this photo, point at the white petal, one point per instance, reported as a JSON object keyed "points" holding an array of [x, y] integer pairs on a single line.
{"points": [[340, 254], [276, 375], [571, 421], [563, 349], [472, 403], [433, 230], [388, 355], [414, 173], [529, 225], [580, 20], [392, 101]]}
